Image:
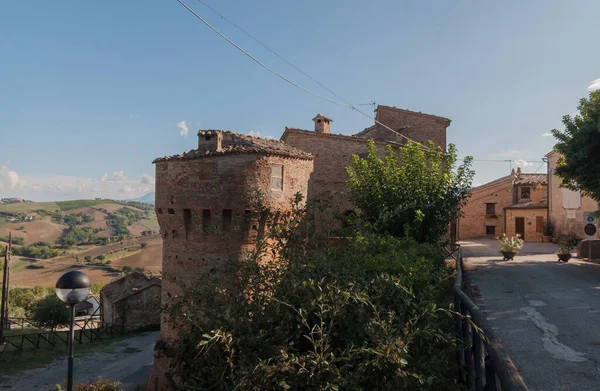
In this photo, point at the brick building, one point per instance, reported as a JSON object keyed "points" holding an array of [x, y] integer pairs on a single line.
{"points": [[333, 152], [516, 203], [202, 196], [202, 199]]}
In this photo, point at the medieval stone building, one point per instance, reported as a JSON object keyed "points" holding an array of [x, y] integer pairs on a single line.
{"points": [[202, 196]]}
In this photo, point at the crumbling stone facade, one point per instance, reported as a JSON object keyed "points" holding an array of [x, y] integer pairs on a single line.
{"points": [[132, 302], [202, 203]]}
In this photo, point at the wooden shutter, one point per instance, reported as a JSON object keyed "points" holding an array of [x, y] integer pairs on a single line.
{"points": [[539, 223]]}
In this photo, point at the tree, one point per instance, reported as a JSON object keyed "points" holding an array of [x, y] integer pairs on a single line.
{"points": [[50, 311], [100, 258], [579, 146], [143, 245], [412, 191]]}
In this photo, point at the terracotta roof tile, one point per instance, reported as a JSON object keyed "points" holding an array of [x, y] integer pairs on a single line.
{"points": [[531, 179], [243, 144]]}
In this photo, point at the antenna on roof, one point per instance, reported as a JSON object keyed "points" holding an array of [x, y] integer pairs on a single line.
{"points": [[372, 103]]}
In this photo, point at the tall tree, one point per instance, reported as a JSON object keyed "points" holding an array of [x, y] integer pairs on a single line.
{"points": [[579, 146], [413, 191]]}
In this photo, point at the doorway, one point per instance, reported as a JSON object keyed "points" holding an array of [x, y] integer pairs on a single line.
{"points": [[520, 227]]}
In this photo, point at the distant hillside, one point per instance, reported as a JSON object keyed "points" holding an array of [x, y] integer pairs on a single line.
{"points": [[28, 207], [147, 198]]}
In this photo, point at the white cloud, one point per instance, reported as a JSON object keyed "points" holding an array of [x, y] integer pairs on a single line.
{"points": [[8, 179], [117, 176], [594, 86], [147, 179], [547, 134], [507, 153], [183, 129], [523, 163], [254, 133]]}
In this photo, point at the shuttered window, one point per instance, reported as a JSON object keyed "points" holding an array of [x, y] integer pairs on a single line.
{"points": [[539, 223], [276, 176]]}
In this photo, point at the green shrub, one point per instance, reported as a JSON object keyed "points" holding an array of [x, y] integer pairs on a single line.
{"points": [[143, 245], [363, 316], [15, 239], [50, 311], [99, 384]]}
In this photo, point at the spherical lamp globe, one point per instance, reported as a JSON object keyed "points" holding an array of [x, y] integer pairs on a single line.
{"points": [[73, 287]]}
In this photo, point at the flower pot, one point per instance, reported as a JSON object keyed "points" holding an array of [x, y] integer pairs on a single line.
{"points": [[564, 257], [547, 239], [508, 255]]}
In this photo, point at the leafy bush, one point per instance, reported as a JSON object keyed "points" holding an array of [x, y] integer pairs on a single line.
{"points": [[50, 311], [411, 191], [566, 243], [128, 269], [37, 252], [143, 245], [15, 239], [356, 317], [99, 384], [75, 236]]}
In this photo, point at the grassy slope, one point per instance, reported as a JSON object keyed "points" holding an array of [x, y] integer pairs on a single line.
{"points": [[28, 207]]}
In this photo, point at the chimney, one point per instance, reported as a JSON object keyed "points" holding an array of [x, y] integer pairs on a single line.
{"points": [[322, 124], [209, 140]]}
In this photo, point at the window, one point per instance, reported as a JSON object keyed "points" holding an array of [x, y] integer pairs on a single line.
{"points": [[525, 192], [171, 211], [490, 209], [276, 176], [227, 215], [490, 230]]}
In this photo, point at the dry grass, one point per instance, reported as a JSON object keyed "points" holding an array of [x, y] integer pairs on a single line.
{"points": [[35, 231]]}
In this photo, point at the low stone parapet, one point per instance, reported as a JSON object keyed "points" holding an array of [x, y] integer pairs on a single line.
{"points": [[583, 249]]}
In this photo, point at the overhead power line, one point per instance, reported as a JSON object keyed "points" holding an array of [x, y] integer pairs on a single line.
{"points": [[345, 102]]}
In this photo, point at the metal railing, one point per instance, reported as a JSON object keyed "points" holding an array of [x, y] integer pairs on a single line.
{"points": [[484, 365]]}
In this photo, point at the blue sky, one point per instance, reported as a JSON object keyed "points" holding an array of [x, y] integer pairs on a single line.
{"points": [[92, 92]]}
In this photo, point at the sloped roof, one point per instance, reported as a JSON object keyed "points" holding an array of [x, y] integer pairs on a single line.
{"points": [[394, 108], [527, 205], [331, 135], [531, 179], [243, 144], [322, 116]]}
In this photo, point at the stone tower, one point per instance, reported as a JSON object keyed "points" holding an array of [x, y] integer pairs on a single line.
{"points": [[201, 202], [322, 124]]}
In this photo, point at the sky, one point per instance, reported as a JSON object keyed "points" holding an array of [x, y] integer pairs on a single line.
{"points": [[92, 92]]}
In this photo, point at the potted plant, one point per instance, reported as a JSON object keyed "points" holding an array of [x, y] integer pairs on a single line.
{"points": [[509, 246], [548, 232], [565, 244]]}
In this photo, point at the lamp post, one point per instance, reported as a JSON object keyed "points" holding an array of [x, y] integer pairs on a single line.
{"points": [[72, 287]]}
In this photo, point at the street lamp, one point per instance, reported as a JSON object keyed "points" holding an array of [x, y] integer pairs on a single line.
{"points": [[72, 287]]}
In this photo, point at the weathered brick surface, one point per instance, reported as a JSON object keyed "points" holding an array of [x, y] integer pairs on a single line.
{"points": [[419, 127], [566, 222], [505, 194], [188, 191]]}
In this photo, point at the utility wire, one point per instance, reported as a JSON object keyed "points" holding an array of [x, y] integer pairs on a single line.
{"points": [[345, 104]]}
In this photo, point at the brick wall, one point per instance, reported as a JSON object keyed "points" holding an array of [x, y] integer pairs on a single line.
{"points": [[534, 220], [474, 220], [417, 126]]}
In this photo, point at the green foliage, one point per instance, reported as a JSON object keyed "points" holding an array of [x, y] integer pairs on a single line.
{"points": [[15, 239], [579, 146], [37, 252], [355, 317], [140, 205], [128, 269], [566, 243], [76, 236], [88, 258], [510, 243], [76, 204], [143, 245], [97, 286], [50, 311], [411, 191], [100, 257]]}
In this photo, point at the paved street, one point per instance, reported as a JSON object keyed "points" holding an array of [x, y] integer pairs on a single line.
{"points": [[546, 314], [129, 361]]}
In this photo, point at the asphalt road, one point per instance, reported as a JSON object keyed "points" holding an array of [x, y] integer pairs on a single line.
{"points": [[129, 361], [545, 313]]}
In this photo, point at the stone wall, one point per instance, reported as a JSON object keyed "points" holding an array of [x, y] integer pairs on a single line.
{"points": [[474, 220], [142, 309], [566, 220]]}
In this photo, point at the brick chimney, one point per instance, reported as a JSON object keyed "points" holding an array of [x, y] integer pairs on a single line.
{"points": [[322, 124], [210, 140]]}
